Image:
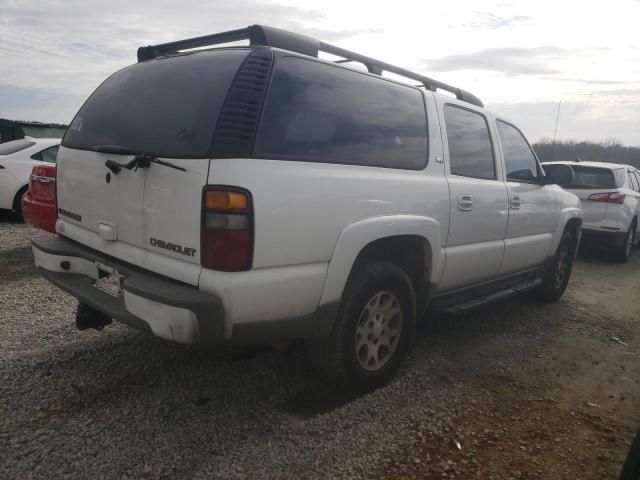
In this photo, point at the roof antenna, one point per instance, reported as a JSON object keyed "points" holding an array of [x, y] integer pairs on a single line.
{"points": [[578, 159], [555, 132]]}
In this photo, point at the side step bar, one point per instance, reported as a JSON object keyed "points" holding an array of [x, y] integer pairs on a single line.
{"points": [[473, 303]]}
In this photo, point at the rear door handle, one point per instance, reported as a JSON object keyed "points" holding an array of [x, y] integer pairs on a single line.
{"points": [[515, 202], [465, 202]]}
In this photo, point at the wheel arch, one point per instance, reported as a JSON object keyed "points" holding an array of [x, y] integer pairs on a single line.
{"points": [[410, 241]]}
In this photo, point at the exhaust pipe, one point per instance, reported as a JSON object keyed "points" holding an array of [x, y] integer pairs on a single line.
{"points": [[89, 317]]}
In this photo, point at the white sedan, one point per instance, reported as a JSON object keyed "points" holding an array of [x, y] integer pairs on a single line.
{"points": [[17, 159]]}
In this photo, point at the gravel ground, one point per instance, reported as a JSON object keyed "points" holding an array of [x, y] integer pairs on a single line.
{"points": [[518, 390]]}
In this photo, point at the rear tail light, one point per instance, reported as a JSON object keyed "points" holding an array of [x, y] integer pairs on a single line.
{"points": [[610, 197], [227, 229], [42, 182]]}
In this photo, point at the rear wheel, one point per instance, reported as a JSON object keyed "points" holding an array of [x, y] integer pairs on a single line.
{"points": [[17, 203], [623, 252], [372, 331], [556, 279]]}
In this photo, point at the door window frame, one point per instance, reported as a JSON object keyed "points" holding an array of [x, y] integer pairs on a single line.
{"points": [[496, 177], [539, 168]]}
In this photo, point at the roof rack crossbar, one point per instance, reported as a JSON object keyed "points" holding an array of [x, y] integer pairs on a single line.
{"points": [[260, 35]]}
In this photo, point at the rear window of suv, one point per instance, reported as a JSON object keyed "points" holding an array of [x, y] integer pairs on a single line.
{"points": [[592, 178], [324, 113], [165, 107]]}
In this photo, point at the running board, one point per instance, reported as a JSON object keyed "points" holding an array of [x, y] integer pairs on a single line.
{"points": [[473, 303]]}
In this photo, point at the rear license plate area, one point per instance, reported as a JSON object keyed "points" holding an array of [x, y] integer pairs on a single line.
{"points": [[109, 281]]}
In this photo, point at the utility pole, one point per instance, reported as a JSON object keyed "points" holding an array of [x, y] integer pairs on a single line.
{"points": [[555, 132]]}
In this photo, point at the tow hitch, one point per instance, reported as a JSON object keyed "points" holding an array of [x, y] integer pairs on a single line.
{"points": [[89, 317]]}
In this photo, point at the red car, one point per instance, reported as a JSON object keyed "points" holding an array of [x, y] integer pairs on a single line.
{"points": [[39, 203]]}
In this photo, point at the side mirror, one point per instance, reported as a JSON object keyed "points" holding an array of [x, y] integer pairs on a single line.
{"points": [[557, 174]]}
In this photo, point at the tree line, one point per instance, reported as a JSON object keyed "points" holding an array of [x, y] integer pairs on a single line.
{"points": [[610, 151]]}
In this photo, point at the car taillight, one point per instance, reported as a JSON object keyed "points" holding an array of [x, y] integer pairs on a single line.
{"points": [[227, 229], [42, 183], [610, 197]]}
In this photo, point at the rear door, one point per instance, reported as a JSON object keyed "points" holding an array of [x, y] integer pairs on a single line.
{"points": [[478, 216], [146, 213], [532, 206]]}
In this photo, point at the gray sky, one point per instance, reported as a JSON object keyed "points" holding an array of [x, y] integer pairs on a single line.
{"points": [[520, 58]]}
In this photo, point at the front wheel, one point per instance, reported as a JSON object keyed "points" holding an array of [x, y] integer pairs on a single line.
{"points": [[373, 329], [556, 278]]}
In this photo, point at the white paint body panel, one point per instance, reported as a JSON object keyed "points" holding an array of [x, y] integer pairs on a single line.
{"points": [[17, 169], [155, 202]]}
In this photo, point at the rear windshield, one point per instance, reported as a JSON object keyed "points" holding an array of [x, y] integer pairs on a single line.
{"points": [[166, 107], [592, 178], [15, 146]]}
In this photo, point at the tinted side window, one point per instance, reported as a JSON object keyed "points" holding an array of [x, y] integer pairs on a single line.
{"points": [[519, 160], [319, 112], [470, 151], [50, 154], [15, 146]]}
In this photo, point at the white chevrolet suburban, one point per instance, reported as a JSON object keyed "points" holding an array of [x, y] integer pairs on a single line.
{"points": [[260, 193]]}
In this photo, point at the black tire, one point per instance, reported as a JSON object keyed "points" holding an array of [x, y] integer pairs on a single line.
{"points": [[623, 252], [556, 278], [17, 204], [631, 467], [338, 359]]}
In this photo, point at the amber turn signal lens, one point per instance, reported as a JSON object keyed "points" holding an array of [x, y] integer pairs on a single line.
{"points": [[228, 201]]}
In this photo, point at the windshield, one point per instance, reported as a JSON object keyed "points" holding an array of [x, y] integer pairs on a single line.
{"points": [[166, 107], [592, 178]]}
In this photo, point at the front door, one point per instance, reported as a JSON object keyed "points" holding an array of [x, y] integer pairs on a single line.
{"points": [[532, 206], [479, 210]]}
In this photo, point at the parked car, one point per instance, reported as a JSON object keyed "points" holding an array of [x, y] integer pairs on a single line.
{"points": [[332, 206], [610, 202], [39, 202], [17, 159]]}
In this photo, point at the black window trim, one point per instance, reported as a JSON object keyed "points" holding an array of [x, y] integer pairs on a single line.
{"points": [[539, 168], [278, 55], [493, 149]]}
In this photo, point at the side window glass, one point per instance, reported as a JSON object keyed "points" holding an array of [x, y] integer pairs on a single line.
{"points": [[50, 155], [470, 150], [520, 163], [323, 113], [633, 181]]}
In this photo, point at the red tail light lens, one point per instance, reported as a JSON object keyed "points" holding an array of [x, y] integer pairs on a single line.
{"points": [[610, 197], [227, 230], [42, 183]]}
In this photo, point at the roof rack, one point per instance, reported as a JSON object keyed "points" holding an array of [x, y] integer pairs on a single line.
{"points": [[260, 35]]}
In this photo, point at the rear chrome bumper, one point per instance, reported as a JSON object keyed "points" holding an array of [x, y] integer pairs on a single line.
{"points": [[169, 309]]}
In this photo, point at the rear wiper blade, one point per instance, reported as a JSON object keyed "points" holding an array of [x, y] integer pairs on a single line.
{"points": [[143, 161], [139, 161]]}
